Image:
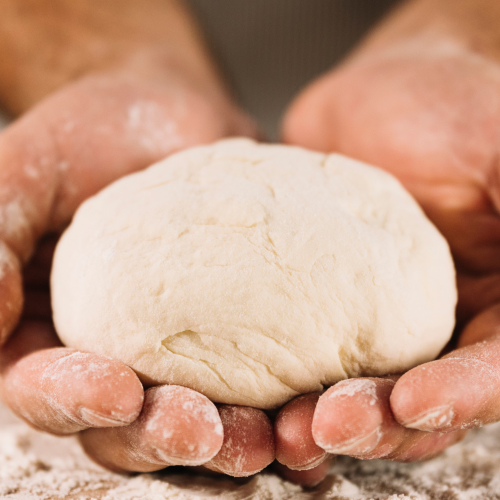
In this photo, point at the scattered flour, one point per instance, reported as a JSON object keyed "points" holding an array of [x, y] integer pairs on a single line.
{"points": [[14, 218], [37, 466], [31, 171], [355, 386], [153, 129]]}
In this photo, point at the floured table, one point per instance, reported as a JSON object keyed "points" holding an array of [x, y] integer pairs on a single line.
{"points": [[38, 466]]}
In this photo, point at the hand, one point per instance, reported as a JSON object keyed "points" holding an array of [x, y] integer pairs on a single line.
{"points": [[147, 89], [63, 151], [420, 99]]}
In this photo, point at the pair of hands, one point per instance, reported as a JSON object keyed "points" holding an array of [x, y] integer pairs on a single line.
{"points": [[426, 110]]}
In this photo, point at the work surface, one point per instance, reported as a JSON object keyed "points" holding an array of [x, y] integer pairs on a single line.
{"points": [[37, 466]]}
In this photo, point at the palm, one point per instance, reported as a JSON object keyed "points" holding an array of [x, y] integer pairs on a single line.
{"points": [[434, 123], [431, 116]]}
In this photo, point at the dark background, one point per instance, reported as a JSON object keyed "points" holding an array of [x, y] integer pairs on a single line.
{"points": [[269, 49]]}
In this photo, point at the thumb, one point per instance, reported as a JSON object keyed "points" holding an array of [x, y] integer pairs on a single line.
{"points": [[81, 139], [310, 120], [460, 390], [105, 127]]}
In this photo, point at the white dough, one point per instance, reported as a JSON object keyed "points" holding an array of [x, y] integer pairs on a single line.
{"points": [[253, 273]]}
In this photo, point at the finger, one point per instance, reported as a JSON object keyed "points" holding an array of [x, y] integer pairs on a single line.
{"points": [[28, 176], [419, 446], [311, 477], [459, 391], [28, 179], [484, 326], [27, 190], [61, 390], [295, 446], [177, 426], [11, 292], [248, 445], [354, 418]]}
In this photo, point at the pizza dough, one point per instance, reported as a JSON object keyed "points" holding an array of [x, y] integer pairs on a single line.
{"points": [[253, 273]]}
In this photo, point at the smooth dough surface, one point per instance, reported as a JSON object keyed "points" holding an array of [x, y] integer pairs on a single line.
{"points": [[253, 273]]}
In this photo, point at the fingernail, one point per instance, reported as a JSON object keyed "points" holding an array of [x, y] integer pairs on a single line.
{"points": [[96, 419], [230, 471], [434, 419], [310, 465], [168, 460], [357, 446]]}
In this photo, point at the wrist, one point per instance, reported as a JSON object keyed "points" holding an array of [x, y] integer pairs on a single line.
{"points": [[426, 25], [48, 43]]}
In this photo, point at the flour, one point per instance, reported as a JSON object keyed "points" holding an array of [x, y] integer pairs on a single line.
{"points": [[152, 128], [349, 388], [14, 219], [37, 466], [31, 171]]}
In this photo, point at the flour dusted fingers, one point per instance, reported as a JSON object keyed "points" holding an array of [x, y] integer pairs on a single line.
{"points": [[354, 418], [460, 390], [62, 391], [248, 445], [177, 426], [309, 477], [295, 446]]}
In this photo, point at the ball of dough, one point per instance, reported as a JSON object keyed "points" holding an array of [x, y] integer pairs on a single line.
{"points": [[253, 273]]}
